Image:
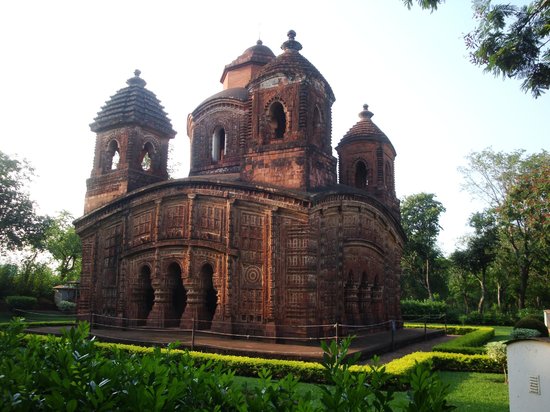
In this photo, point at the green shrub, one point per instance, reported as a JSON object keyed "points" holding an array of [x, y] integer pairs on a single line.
{"points": [[74, 372], [521, 333], [66, 306], [430, 309], [470, 343], [531, 323], [497, 352], [531, 313], [20, 302]]}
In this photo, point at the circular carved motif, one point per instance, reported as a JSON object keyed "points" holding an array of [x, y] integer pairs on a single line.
{"points": [[252, 275]]}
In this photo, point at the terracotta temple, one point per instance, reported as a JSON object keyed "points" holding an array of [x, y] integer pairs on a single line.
{"points": [[270, 234]]}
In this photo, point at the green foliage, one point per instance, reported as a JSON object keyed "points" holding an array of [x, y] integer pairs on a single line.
{"points": [[470, 343], [530, 323], [350, 391], [421, 262], [442, 361], [66, 306], [531, 313], [428, 309], [20, 302], [19, 224], [64, 245], [30, 278], [427, 393], [497, 352], [521, 333], [74, 372], [512, 41]]}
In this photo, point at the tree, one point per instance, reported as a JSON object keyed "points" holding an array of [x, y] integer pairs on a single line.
{"points": [[20, 225], [525, 218], [480, 251], [420, 220], [511, 41], [64, 245], [516, 186]]}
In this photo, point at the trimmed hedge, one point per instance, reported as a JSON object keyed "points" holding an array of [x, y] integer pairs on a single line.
{"points": [[20, 302], [470, 343], [451, 329], [312, 371]]}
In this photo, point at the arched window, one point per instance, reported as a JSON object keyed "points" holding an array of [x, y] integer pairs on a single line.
{"points": [[112, 157], [147, 154], [277, 120], [218, 144], [361, 175]]}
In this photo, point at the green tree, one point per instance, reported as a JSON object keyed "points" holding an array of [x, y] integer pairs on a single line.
{"points": [[420, 220], [516, 186], [480, 251], [511, 41], [20, 225], [525, 220], [64, 245]]}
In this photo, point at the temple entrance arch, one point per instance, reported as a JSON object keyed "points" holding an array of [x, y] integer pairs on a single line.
{"points": [[209, 296], [178, 293], [144, 294]]}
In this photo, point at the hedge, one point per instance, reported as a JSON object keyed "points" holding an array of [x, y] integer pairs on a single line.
{"points": [[450, 329], [312, 371], [20, 302], [470, 343]]}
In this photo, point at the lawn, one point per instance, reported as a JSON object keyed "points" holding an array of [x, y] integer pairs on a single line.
{"points": [[38, 316], [469, 391]]}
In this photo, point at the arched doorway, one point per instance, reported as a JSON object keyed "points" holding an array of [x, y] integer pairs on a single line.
{"points": [[209, 296], [178, 293], [145, 294]]}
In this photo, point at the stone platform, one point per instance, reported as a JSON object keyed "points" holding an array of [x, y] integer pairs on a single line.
{"points": [[368, 345]]}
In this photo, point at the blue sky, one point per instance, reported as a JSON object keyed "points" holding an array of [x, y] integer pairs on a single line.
{"points": [[61, 60]]}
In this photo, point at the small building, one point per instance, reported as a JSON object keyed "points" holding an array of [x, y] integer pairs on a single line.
{"points": [[264, 237], [529, 374]]}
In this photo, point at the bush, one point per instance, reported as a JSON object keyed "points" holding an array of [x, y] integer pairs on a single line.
{"points": [[20, 302], [66, 306], [430, 309], [531, 313], [497, 352], [471, 343], [520, 333], [531, 323], [73, 373]]}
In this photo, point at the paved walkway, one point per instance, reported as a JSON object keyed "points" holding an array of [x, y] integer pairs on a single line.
{"points": [[368, 345]]}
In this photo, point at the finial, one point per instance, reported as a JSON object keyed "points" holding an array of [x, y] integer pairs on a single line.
{"points": [[366, 114], [291, 44], [136, 80], [259, 42]]}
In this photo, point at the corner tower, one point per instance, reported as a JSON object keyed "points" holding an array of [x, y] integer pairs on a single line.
{"points": [[290, 125], [131, 150], [366, 161]]}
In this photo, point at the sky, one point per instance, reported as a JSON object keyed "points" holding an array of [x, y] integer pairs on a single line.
{"points": [[62, 60]]}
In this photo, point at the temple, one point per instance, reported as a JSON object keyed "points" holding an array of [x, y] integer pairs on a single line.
{"points": [[270, 235]]}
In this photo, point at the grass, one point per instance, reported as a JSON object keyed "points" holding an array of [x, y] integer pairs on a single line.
{"points": [[501, 333], [469, 391], [479, 392], [38, 316]]}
